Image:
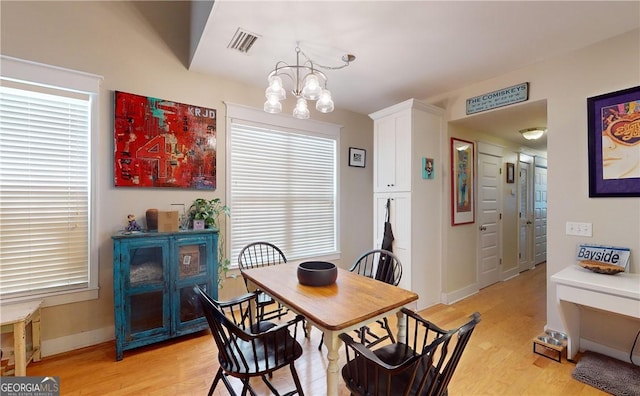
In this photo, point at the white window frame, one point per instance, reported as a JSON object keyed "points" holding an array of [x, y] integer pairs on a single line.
{"points": [[38, 74], [253, 116]]}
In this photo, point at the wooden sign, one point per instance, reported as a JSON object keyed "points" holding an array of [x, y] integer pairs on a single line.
{"points": [[613, 259]]}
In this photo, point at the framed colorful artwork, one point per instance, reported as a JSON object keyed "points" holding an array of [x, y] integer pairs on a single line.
{"points": [[614, 144], [161, 143], [462, 182]]}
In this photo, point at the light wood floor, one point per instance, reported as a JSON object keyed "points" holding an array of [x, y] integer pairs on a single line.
{"points": [[498, 359]]}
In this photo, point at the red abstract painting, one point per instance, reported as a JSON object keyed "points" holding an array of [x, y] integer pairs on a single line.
{"points": [[160, 143]]}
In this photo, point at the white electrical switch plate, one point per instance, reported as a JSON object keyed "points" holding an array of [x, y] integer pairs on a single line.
{"points": [[579, 229]]}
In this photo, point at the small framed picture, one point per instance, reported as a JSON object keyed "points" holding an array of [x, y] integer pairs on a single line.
{"points": [[198, 224], [510, 172], [357, 157], [427, 168]]}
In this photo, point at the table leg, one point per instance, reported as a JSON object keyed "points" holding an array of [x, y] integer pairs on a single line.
{"points": [[570, 315], [333, 345], [20, 348], [402, 328], [307, 327], [253, 307]]}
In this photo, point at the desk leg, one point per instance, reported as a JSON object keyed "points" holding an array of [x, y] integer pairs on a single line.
{"points": [[402, 327], [20, 348], [570, 315], [333, 345]]}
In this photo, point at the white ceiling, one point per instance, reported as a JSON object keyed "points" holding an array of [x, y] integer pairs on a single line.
{"points": [[408, 49]]}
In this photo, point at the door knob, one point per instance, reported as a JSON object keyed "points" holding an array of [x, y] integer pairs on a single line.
{"points": [[483, 228]]}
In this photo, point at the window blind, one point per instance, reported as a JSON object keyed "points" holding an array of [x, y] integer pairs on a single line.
{"points": [[282, 190], [44, 192]]}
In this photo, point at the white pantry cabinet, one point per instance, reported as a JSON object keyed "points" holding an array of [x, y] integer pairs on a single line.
{"points": [[404, 134]]}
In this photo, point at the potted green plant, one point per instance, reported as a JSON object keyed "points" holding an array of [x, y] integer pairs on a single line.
{"points": [[210, 210]]}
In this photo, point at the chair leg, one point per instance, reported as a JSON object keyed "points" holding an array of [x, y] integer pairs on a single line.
{"points": [[246, 386], [362, 334], [219, 375], [294, 373], [321, 342], [269, 384], [389, 332]]}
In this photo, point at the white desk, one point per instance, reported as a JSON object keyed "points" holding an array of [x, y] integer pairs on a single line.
{"points": [[20, 315], [619, 293]]}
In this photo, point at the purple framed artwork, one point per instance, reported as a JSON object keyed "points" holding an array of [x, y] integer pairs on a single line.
{"points": [[614, 144], [161, 143]]}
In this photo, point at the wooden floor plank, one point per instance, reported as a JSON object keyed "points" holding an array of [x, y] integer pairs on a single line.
{"points": [[498, 360]]}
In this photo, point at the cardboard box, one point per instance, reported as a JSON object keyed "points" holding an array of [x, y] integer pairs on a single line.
{"points": [[168, 221]]}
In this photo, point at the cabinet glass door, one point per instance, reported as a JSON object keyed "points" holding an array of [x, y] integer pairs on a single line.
{"points": [[192, 269], [147, 298], [189, 303]]}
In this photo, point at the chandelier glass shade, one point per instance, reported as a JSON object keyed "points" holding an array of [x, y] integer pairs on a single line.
{"points": [[309, 84], [532, 133]]}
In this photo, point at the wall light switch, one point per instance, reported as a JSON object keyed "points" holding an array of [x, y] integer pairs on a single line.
{"points": [[579, 229]]}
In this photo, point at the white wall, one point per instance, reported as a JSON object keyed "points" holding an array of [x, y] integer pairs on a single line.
{"points": [[143, 48], [566, 82]]}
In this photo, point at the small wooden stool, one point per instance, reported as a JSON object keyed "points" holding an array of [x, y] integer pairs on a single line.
{"points": [[20, 315]]}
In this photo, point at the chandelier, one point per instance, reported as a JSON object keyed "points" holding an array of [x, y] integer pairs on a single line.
{"points": [[309, 83]]}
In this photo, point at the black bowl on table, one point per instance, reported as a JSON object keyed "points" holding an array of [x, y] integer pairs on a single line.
{"points": [[317, 273]]}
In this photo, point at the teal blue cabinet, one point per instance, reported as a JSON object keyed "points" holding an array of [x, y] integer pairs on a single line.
{"points": [[153, 279]]}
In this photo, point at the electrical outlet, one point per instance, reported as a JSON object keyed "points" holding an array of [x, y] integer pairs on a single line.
{"points": [[579, 229]]}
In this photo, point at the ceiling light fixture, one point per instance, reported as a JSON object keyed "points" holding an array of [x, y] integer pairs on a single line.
{"points": [[532, 133], [309, 83]]}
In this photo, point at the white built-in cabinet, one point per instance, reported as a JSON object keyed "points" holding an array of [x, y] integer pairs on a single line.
{"points": [[404, 134], [392, 143]]}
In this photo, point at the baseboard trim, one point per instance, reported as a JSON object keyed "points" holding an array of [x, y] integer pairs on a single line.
{"points": [[508, 275], [68, 343], [586, 345], [460, 294]]}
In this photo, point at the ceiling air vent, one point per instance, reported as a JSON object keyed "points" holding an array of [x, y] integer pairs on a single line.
{"points": [[242, 41]]}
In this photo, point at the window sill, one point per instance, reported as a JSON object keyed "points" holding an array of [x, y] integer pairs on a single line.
{"points": [[60, 298]]}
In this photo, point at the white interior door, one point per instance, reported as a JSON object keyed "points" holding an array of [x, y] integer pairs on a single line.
{"points": [[525, 214], [489, 208], [540, 213]]}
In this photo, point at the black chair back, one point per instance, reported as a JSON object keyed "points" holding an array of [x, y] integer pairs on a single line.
{"points": [[260, 254], [379, 264], [245, 349], [423, 365]]}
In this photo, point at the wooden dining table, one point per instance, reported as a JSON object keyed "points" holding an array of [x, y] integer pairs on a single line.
{"points": [[350, 303]]}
